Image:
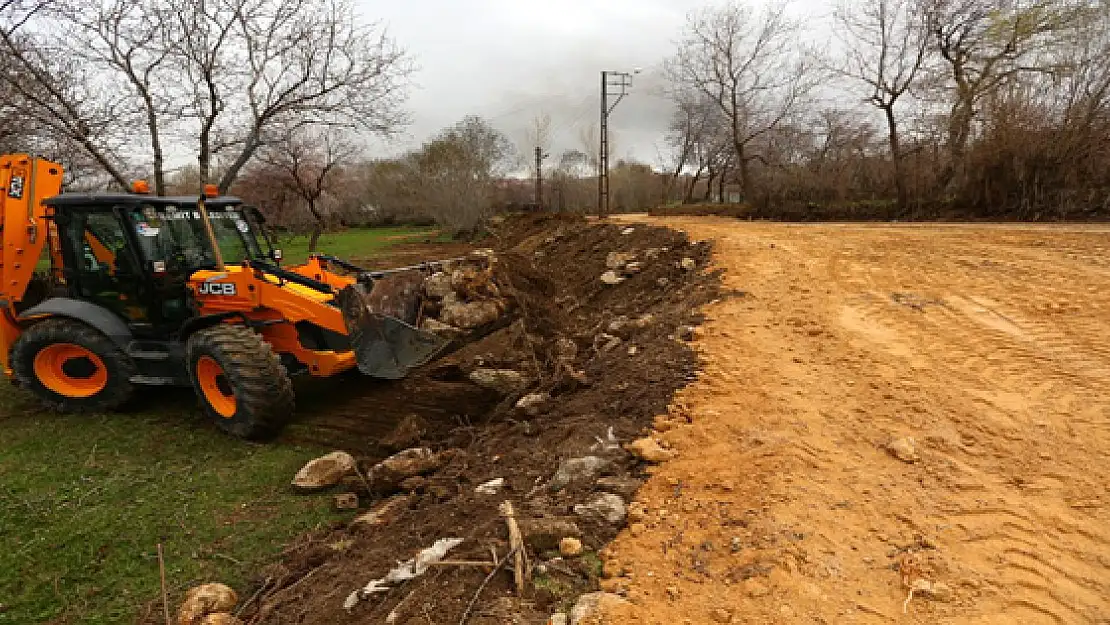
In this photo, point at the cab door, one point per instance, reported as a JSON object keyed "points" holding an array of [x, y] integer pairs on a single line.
{"points": [[101, 264]]}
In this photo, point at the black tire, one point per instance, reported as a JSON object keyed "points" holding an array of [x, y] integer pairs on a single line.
{"points": [[95, 386], [250, 377]]}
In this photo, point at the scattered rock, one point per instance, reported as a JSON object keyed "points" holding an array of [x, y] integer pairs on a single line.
{"points": [[648, 450], [545, 534], [221, 618], [651, 252], [607, 342], [397, 468], [577, 470], [504, 381], [636, 512], [436, 326], [491, 487], [662, 283], [409, 431], [589, 607], [559, 618], [628, 230], [617, 324], [904, 449], [385, 512], [324, 471], [687, 333], [626, 487], [606, 506], [618, 260], [570, 547], [672, 592], [532, 403], [633, 268], [688, 264], [438, 285], [346, 501], [632, 350], [469, 314], [721, 615], [203, 600], [566, 349], [937, 591], [610, 277]]}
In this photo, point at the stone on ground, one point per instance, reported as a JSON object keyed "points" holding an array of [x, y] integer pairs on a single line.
{"points": [[324, 471]]}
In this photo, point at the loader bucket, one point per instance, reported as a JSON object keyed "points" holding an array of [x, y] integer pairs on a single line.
{"points": [[380, 325]]}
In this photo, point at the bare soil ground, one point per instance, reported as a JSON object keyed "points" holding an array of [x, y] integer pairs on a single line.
{"points": [[986, 345]]}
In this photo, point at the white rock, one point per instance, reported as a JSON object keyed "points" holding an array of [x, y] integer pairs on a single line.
{"points": [[610, 277], [532, 403], [688, 264], [491, 487], [324, 471], [504, 381], [577, 470], [628, 230], [469, 314]]}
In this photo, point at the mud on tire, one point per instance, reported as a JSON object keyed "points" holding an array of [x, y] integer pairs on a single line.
{"points": [[72, 367], [240, 382]]}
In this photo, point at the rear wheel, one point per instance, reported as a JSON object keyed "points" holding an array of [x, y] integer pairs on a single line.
{"points": [[71, 367], [240, 381]]}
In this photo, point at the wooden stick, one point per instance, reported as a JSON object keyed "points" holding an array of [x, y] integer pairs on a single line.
{"points": [[516, 543], [165, 595], [482, 586]]}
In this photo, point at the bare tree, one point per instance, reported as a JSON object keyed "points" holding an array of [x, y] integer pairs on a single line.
{"points": [[884, 44], [748, 64], [984, 44], [309, 162], [224, 78]]}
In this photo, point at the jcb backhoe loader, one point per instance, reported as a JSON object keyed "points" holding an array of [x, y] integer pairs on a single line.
{"points": [[183, 291]]}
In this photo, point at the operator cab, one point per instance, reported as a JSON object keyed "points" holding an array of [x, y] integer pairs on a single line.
{"points": [[133, 253]]}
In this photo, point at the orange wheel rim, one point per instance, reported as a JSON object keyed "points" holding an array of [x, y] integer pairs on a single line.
{"points": [[216, 387], [70, 370]]}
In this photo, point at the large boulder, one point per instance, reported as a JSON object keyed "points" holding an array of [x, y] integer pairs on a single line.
{"points": [[388, 474], [325, 471], [469, 315], [438, 285], [606, 507]]}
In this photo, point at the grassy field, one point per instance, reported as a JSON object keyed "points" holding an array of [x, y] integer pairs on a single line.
{"points": [[84, 500], [359, 242]]}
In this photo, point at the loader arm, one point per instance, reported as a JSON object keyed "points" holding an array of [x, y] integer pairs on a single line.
{"points": [[25, 182]]}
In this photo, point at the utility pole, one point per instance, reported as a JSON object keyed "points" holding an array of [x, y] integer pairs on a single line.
{"points": [[539, 177], [615, 84]]}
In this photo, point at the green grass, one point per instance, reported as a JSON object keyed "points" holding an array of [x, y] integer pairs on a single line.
{"points": [[358, 242], [84, 500]]}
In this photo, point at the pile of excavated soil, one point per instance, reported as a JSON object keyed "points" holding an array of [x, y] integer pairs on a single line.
{"points": [[595, 363]]}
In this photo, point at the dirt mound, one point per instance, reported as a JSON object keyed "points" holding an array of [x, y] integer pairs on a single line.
{"points": [[598, 346]]}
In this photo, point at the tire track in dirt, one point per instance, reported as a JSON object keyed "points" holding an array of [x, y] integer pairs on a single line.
{"points": [[984, 344]]}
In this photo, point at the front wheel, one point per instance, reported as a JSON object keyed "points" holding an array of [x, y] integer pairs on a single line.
{"points": [[72, 367], [241, 383]]}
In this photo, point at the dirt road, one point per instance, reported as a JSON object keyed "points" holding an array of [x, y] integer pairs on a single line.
{"points": [[987, 345]]}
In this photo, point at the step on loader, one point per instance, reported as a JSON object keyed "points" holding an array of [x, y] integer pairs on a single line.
{"points": [[102, 292]]}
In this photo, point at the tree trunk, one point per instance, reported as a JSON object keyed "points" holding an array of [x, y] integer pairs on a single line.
{"points": [[317, 227], [709, 186], [745, 171], [721, 189], [896, 159]]}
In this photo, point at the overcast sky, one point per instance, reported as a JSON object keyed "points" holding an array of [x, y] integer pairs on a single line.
{"points": [[510, 60]]}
